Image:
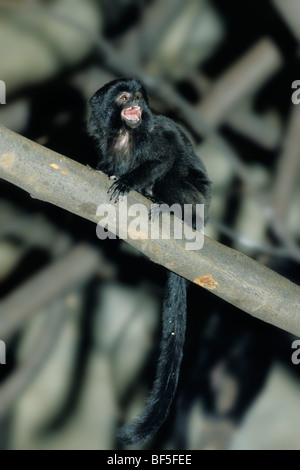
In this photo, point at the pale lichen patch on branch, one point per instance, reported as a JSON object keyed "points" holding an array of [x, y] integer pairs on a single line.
{"points": [[7, 159]]}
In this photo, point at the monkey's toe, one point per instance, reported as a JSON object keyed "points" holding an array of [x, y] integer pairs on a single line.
{"points": [[119, 190]]}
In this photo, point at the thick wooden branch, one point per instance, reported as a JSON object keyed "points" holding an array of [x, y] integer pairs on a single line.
{"points": [[229, 274]]}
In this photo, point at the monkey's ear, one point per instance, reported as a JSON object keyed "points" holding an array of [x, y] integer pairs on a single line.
{"points": [[93, 100]]}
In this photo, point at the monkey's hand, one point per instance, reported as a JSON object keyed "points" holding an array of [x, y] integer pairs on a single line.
{"points": [[119, 190]]}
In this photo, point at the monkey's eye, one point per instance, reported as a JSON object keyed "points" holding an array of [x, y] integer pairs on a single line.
{"points": [[138, 96], [123, 97]]}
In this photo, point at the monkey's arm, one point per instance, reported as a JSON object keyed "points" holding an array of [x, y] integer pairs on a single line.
{"points": [[141, 178]]}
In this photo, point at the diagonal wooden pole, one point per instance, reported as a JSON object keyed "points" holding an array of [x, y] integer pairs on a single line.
{"points": [[241, 281]]}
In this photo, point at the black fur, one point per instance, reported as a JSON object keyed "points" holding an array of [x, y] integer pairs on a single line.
{"points": [[164, 388], [151, 155]]}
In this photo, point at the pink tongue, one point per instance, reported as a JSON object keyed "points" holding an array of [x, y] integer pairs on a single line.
{"points": [[133, 113]]}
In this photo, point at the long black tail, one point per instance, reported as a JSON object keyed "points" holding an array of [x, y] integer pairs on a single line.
{"points": [[160, 399]]}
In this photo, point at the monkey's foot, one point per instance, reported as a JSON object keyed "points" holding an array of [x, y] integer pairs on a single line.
{"points": [[119, 190]]}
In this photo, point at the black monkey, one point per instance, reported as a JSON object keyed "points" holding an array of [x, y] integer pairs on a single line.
{"points": [[150, 154]]}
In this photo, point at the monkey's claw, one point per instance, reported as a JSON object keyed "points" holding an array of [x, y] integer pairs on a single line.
{"points": [[119, 190]]}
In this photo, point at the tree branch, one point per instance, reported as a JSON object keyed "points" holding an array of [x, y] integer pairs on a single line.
{"points": [[229, 274], [61, 275], [22, 378]]}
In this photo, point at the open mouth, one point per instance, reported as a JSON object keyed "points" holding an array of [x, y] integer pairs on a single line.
{"points": [[132, 115]]}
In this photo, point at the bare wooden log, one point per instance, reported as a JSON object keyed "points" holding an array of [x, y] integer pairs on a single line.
{"points": [[229, 274]]}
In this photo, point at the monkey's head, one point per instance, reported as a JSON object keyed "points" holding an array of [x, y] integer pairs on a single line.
{"points": [[118, 104], [131, 108]]}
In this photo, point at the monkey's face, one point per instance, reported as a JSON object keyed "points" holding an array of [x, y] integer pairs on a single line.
{"points": [[118, 104], [131, 106]]}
